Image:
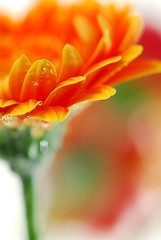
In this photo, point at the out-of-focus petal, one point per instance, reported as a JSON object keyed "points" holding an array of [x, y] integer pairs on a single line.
{"points": [[106, 73], [133, 33], [102, 48], [131, 53], [84, 28], [7, 103], [99, 75], [88, 34], [137, 69], [4, 89]]}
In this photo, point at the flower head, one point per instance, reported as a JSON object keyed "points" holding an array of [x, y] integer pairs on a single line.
{"points": [[89, 47]]}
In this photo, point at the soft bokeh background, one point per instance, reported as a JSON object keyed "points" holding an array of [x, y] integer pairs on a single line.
{"points": [[140, 220]]}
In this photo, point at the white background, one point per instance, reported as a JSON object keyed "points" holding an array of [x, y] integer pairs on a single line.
{"points": [[11, 205]]}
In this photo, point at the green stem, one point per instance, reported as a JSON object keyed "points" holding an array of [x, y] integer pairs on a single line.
{"points": [[29, 204]]}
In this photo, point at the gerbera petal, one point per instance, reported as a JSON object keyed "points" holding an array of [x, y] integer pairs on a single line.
{"points": [[88, 34], [106, 72], [102, 49], [50, 114], [17, 75], [40, 80], [4, 88], [72, 63], [23, 108], [103, 64], [84, 28], [137, 69], [133, 33], [131, 53], [92, 73], [65, 91], [99, 93], [7, 103], [104, 24]]}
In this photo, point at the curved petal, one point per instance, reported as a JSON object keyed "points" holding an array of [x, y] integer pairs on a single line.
{"points": [[7, 103], [17, 76], [99, 93], [131, 53], [40, 80], [103, 64], [72, 63], [133, 32], [23, 108], [102, 49], [106, 72], [50, 114], [4, 88], [104, 25], [137, 69], [84, 28], [92, 73], [65, 91]]}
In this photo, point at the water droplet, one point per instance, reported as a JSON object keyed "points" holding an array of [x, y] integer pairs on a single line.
{"points": [[44, 146], [45, 69], [35, 84], [10, 121], [45, 125]]}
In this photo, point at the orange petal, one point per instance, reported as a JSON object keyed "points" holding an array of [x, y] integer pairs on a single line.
{"points": [[84, 28], [102, 49], [50, 114], [72, 63], [104, 24], [17, 75], [23, 108], [65, 91], [103, 64], [99, 93], [4, 88], [131, 53], [39, 81], [88, 34], [7, 103], [137, 69], [133, 33], [92, 73], [102, 76]]}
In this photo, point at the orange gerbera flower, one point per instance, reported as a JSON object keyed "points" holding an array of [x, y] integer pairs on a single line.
{"points": [[88, 47]]}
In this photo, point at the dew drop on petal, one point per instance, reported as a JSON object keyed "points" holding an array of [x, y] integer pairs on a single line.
{"points": [[10, 121]]}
